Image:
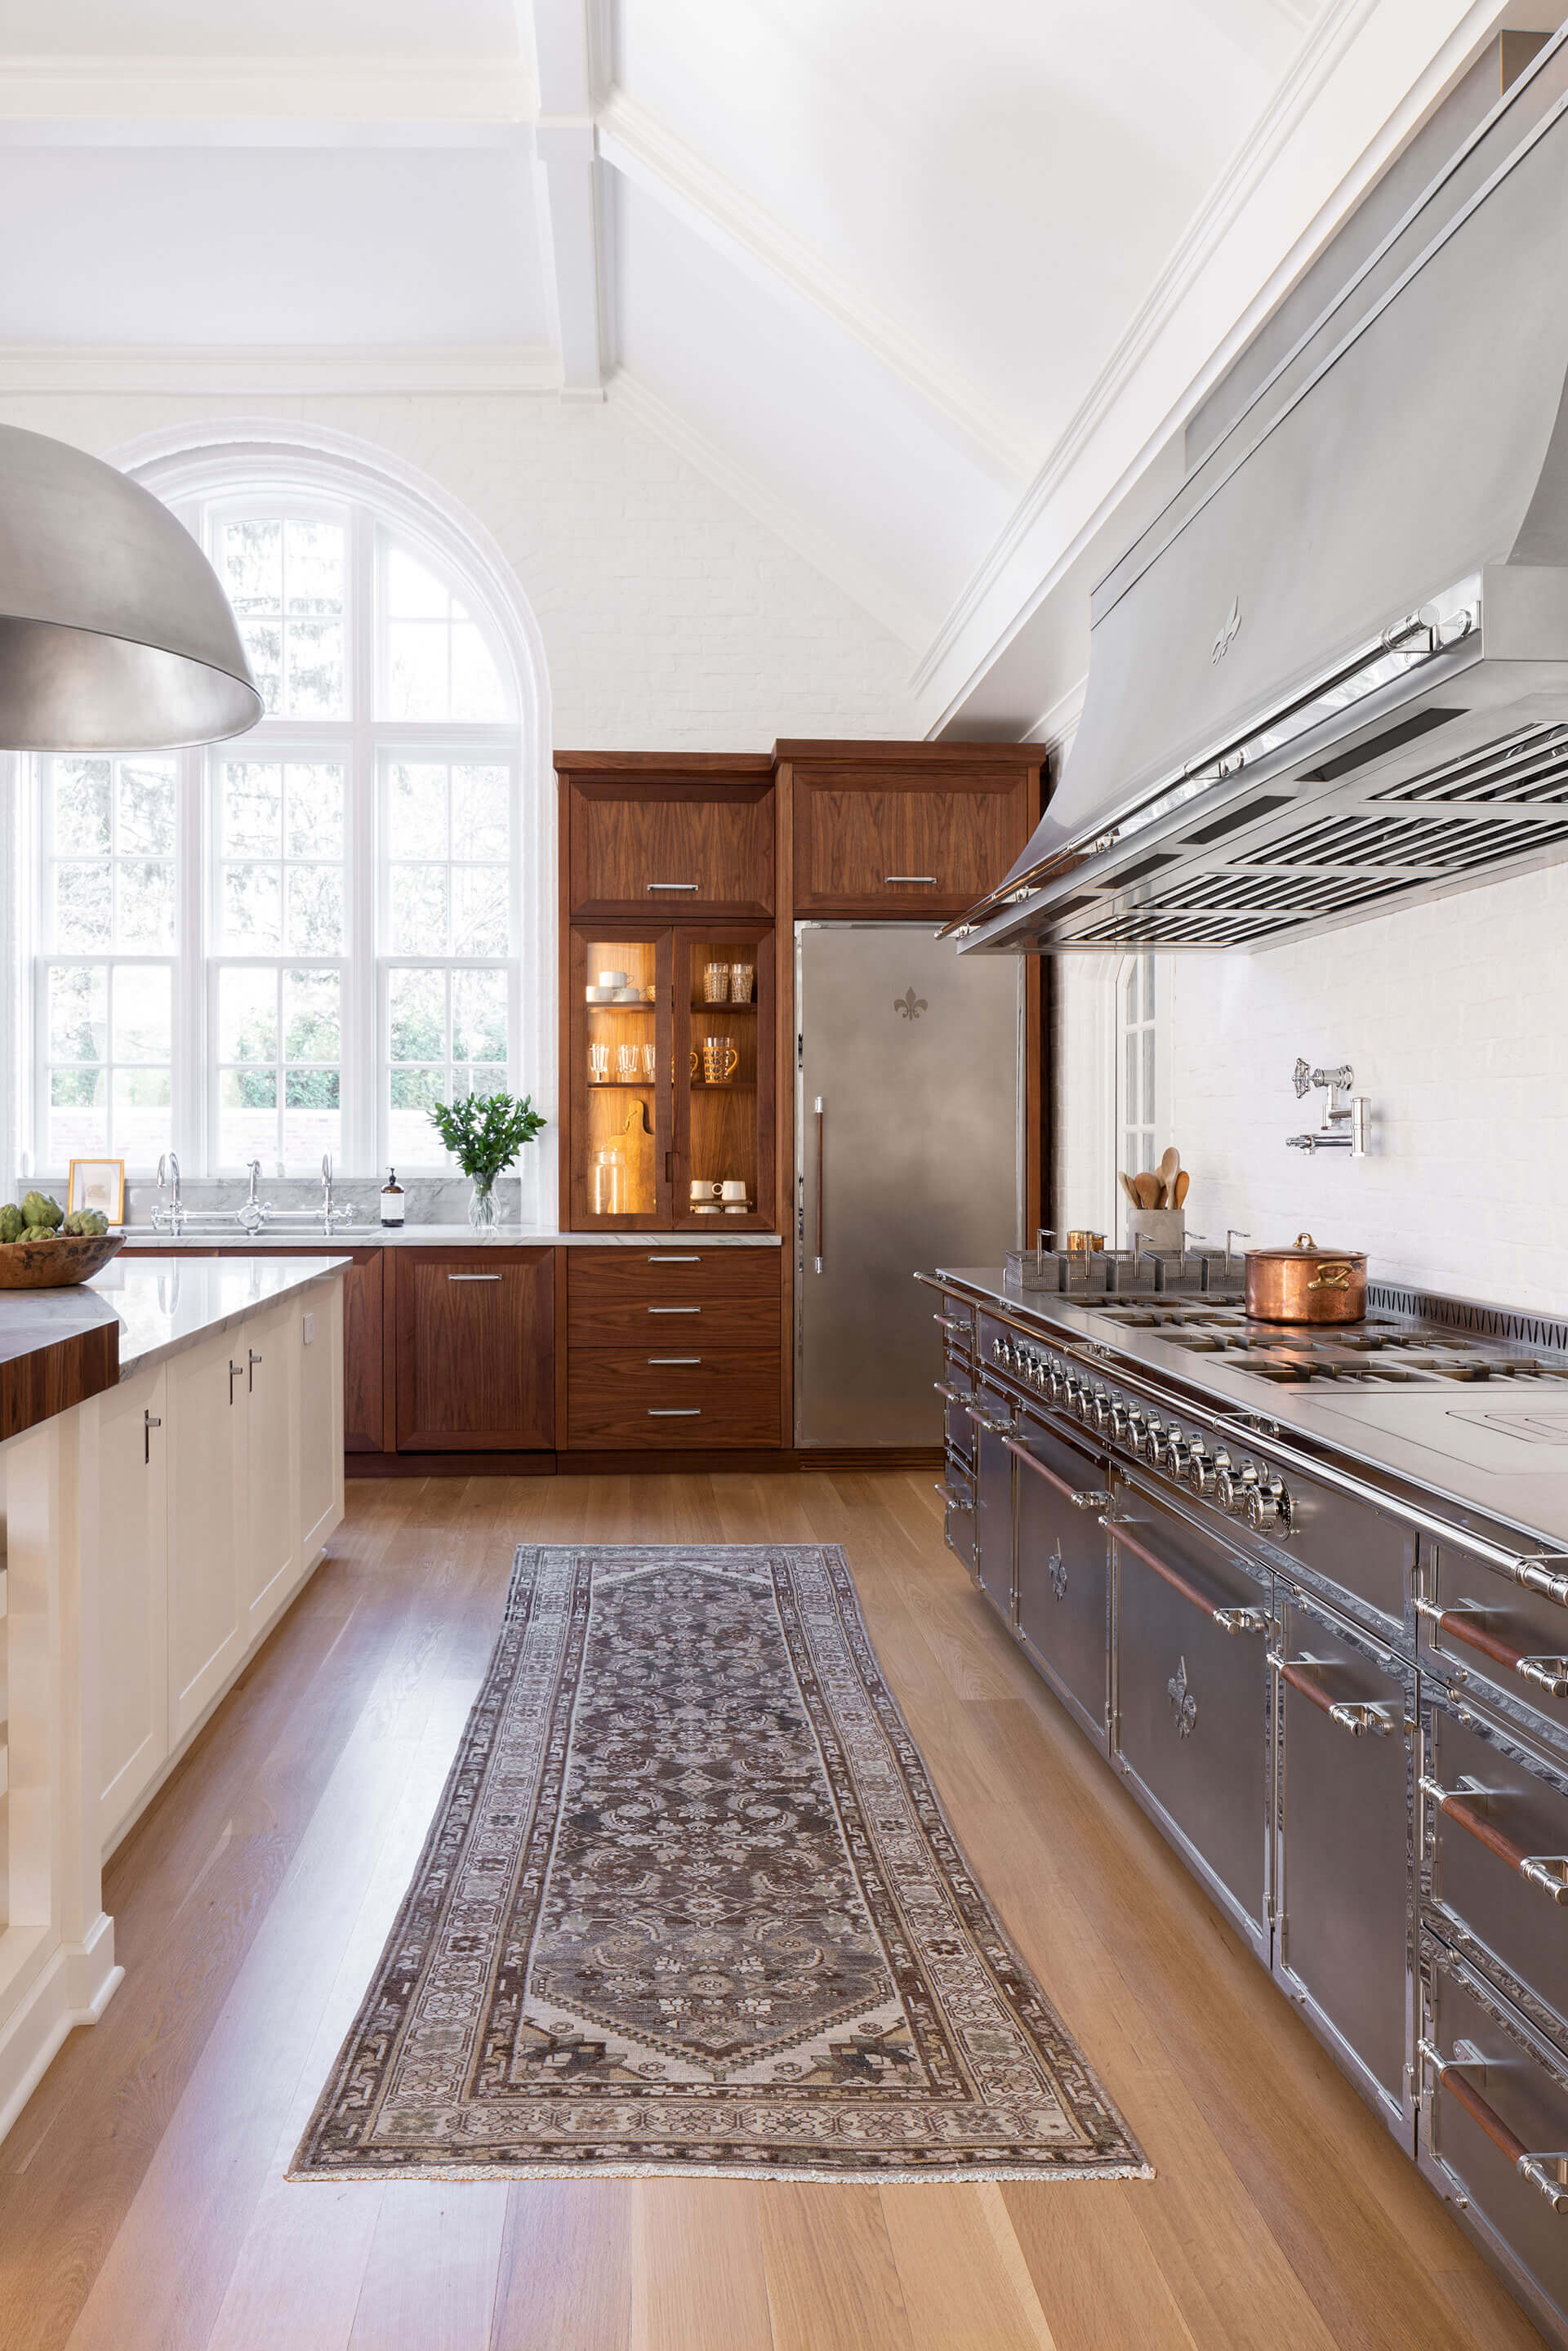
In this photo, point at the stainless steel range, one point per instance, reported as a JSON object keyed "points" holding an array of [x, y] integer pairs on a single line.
{"points": [[1308, 1590]]}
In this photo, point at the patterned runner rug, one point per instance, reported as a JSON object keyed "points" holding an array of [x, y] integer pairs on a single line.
{"points": [[690, 1904]]}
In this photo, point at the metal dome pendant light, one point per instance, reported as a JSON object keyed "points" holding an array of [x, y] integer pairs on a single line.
{"points": [[115, 633]]}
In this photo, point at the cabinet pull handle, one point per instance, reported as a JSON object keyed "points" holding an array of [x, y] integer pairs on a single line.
{"points": [[1230, 1620], [472, 1277], [255, 1359], [674, 1359], [1552, 2182], [1076, 1495], [1547, 1674], [909, 880], [822, 1122], [674, 1412], [1547, 1872], [687, 1257], [670, 885], [237, 1372], [674, 1310], [950, 1323], [150, 1421], [1357, 1716], [953, 1395]]}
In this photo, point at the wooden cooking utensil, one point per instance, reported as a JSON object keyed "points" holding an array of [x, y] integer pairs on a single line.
{"points": [[1127, 1184], [1169, 1169], [1148, 1188], [1182, 1182]]}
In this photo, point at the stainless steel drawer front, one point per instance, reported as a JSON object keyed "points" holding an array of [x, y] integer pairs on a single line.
{"points": [[1494, 1853], [1483, 1632], [1192, 1697], [1345, 1929], [991, 1416], [1494, 2127], [1063, 1568]]}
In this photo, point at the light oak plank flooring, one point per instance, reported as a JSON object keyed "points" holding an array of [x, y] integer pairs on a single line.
{"points": [[143, 2197]]}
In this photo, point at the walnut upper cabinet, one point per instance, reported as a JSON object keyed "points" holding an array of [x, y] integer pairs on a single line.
{"points": [[681, 836], [904, 829]]}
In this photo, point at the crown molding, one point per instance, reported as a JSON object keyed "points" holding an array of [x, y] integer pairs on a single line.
{"points": [[228, 371], [1001, 596], [651, 157], [824, 550], [282, 101]]}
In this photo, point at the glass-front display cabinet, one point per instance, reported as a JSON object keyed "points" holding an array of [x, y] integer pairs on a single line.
{"points": [[670, 1085]]}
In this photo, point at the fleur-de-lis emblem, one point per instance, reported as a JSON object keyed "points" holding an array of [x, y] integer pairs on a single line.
{"points": [[1056, 1567], [1226, 637], [909, 1004], [1183, 1703]]}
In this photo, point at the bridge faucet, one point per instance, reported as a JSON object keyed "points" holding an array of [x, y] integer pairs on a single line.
{"points": [[254, 1214], [330, 1215], [171, 1219]]}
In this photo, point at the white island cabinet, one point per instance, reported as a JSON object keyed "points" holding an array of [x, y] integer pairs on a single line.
{"points": [[154, 1533]]}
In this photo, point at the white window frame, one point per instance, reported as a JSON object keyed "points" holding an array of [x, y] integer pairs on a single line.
{"points": [[363, 744]]}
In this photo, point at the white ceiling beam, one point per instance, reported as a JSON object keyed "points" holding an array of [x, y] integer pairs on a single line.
{"points": [[564, 42], [140, 101], [640, 147]]}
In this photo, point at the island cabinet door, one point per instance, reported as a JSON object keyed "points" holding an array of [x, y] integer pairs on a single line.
{"points": [[129, 1495], [476, 1352], [206, 1429], [270, 1558]]}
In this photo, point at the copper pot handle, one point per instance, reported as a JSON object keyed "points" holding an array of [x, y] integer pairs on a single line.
{"points": [[1332, 1274], [1304, 1241]]}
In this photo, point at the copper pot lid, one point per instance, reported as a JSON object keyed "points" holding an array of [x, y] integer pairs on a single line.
{"points": [[1304, 1250]]}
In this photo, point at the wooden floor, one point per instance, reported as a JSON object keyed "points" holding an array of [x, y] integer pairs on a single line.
{"points": [[142, 2194]]}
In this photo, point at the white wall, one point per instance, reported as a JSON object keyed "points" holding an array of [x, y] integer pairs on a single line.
{"points": [[672, 619], [1455, 1017]]}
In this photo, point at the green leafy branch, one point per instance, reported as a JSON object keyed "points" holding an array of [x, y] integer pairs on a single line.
{"points": [[484, 1133]]}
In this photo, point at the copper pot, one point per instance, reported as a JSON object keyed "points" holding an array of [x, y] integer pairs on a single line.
{"points": [[1306, 1284]]}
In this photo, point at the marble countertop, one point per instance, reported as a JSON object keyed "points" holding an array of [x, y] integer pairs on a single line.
{"points": [[165, 1304], [226, 1234]]}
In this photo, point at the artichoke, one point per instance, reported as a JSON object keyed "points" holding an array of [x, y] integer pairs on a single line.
{"points": [[85, 1224], [13, 1224], [39, 1233], [39, 1209]]}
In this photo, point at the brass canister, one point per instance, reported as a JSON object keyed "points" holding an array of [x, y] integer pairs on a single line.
{"points": [[1306, 1284]]}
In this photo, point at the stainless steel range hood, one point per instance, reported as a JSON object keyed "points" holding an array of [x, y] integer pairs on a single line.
{"points": [[1333, 674]]}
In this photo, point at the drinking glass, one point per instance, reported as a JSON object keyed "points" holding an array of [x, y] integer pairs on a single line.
{"points": [[721, 1059], [716, 983], [742, 977], [599, 1064], [648, 1063], [628, 1064]]}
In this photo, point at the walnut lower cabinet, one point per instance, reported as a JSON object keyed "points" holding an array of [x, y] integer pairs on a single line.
{"points": [[674, 1347], [475, 1349]]}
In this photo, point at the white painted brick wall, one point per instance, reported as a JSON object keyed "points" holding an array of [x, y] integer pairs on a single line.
{"points": [[1455, 1017], [672, 619]]}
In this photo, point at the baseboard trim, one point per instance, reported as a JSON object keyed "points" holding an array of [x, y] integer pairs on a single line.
{"points": [[642, 1463]]}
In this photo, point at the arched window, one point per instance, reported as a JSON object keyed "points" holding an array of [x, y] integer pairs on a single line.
{"points": [[301, 940]]}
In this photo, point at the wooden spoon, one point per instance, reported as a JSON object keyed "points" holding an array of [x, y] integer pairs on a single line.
{"points": [[1148, 1189], [1182, 1182], [1127, 1184], [1168, 1170]]}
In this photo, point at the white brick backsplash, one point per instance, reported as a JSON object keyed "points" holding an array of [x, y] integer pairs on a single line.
{"points": [[1455, 1018]]}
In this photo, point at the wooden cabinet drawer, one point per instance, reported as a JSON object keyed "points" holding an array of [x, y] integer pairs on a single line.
{"points": [[684, 849], [869, 842], [475, 1349], [726, 1297], [672, 1393]]}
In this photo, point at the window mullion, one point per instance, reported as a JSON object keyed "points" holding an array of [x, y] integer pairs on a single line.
{"points": [[361, 1080], [190, 1079]]}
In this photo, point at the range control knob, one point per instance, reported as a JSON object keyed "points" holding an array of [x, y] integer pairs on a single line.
{"points": [[1177, 1449], [1203, 1471], [1153, 1440], [1269, 1506], [1056, 1380], [1103, 1410], [1232, 1486], [1119, 1417], [1085, 1404]]}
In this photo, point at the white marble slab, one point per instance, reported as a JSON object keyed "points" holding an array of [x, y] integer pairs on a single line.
{"points": [[166, 1303], [710, 1234]]}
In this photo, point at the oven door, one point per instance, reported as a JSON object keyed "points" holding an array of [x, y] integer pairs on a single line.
{"points": [[1483, 1633], [1493, 2134], [1191, 1696], [992, 1416], [1494, 1853], [957, 1491], [1064, 1571], [1345, 1711]]}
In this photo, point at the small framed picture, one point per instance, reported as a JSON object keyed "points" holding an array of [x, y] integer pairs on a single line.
{"points": [[98, 1184]]}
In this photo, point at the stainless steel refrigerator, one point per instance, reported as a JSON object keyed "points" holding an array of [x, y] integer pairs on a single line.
{"points": [[909, 1153]]}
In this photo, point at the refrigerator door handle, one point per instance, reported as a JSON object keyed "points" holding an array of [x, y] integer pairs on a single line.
{"points": [[820, 1122]]}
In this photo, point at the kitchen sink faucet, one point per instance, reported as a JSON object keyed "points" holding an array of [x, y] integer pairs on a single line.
{"points": [[171, 1219]]}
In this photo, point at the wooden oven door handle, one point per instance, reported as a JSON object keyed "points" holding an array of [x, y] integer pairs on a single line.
{"points": [[1546, 2173], [1547, 1872], [1230, 1620], [1547, 1674], [1358, 1715], [1079, 1498]]}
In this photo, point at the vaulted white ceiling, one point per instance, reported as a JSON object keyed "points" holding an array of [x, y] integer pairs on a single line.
{"points": [[892, 271]]}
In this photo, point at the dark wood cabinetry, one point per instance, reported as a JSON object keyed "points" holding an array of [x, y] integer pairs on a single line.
{"points": [[673, 1348], [674, 837], [475, 1348], [902, 829]]}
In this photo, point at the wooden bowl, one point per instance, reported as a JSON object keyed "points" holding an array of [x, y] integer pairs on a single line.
{"points": [[54, 1264]]}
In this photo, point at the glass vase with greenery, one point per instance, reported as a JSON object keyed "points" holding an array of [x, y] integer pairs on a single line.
{"points": [[485, 1134]]}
